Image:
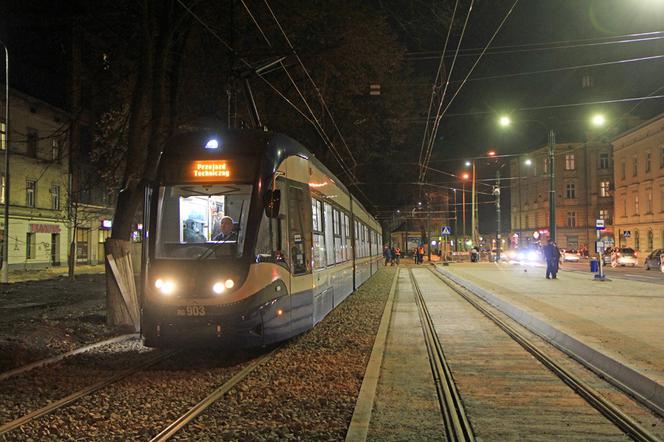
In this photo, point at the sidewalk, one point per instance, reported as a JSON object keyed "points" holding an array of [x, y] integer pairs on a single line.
{"points": [[622, 319], [51, 273]]}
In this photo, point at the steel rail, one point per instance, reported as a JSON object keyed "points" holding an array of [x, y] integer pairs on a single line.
{"points": [[199, 408], [457, 425], [53, 406], [611, 411], [52, 360]]}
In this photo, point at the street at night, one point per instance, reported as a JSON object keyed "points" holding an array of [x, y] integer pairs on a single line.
{"points": [[387, 220]]}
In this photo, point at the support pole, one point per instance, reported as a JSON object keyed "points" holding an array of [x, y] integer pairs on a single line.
{"points": [[5, 240], [496, 192], [552, 185]]}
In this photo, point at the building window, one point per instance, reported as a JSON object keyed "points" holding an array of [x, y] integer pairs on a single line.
{"points": [[55, 197], [635, 166], [587, 81], [603, 160], [30, 245], [637, 240], [661, 199], [2, 189], [661, 157], [604, 187], [623, 168], [624, 205], [571, 191], [545, 168], [648, 160], [605, 215], [55, 149], [571, 219], [569, 161], [636, 204], [649, 201], [32, 141], [30, 193], [650, 240]]}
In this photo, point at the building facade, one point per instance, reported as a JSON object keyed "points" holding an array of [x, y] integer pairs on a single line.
{"points": [[584, 193], [45, 213], [639, 177]]}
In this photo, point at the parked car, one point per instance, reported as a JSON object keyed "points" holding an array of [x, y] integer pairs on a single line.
{"points": [[625, 256], [653, 261], [570, 255]]}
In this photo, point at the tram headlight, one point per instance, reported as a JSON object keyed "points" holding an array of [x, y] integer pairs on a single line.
{"points": [[218, 288], [165, 286], [229, 283]]}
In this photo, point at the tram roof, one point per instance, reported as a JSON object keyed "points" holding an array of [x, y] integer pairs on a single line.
{"points": [[275, 146]]}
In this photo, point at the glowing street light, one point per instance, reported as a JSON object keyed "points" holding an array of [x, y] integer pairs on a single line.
{"points": [[504, 121], [465, 176], [491, 153], [468, 163], [598, 120], [528, 162]]}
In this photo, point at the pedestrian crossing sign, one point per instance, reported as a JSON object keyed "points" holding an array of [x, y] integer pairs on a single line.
{"points": [[446, 230]]}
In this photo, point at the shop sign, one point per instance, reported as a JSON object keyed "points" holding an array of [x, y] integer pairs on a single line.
{"points": [[106, 223], [44, 228]]}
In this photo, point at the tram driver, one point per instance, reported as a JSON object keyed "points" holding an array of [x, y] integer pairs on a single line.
{"points": [[227, 232]]}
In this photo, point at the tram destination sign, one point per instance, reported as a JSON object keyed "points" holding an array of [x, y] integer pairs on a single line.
{"points": [[199, 171]]}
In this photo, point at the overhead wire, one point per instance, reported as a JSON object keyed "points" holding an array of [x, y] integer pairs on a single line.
{"points": [[442, 96], [435, 85], [439, 118]]}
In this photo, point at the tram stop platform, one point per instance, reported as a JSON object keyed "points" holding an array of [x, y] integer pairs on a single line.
{"points": [[614, 328]]}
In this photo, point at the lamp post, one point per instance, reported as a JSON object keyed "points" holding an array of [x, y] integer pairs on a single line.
{"points": [[552, 185], [4, 272]]}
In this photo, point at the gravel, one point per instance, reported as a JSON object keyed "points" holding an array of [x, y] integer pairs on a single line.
{"points": [[306, 392]]}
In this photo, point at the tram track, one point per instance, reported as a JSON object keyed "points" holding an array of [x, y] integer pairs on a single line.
{"points": [[457, 425], [608, 409], [85, 391], [191, 414]]}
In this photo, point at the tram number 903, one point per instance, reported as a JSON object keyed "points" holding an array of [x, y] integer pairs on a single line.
{"points": [[192, 310]]}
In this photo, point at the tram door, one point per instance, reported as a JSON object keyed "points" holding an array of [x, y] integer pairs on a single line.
{"points": [[299, 243]]}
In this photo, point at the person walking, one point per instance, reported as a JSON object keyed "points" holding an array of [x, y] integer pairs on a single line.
{"points": [[387, 254], [397, 254], [552, 256]]}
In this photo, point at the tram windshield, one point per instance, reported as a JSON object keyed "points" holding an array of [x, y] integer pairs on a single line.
{"points": [[202, 221]]}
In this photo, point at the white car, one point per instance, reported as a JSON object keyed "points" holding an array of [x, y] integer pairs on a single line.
{"points": [[570, 256]]}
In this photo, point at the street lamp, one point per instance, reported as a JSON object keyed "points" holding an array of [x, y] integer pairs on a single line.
{"points": [[504, 121], [4, 272], [598, 120]]}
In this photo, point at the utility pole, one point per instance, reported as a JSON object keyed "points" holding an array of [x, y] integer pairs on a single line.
{"points": [[552, 185], [473, 197], [5, 240], [496, 192]]}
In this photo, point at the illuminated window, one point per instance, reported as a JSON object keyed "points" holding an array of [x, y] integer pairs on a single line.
{"points": [[3, 136], [636, 203], [605, 215], [546, 165], [604, 187], [569, 161], [2, 189]]}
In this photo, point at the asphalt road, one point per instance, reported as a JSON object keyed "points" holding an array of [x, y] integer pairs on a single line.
{"points": [[632, 273]]}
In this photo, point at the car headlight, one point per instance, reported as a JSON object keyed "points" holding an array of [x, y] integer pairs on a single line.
{"points": [[532, 256], [229, 283], [218, 288], [165, 286]]}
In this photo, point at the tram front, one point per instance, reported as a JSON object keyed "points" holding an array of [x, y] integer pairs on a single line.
{"points": [[202, 215]]}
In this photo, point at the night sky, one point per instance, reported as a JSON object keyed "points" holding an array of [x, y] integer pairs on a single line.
{"points": [[539, 35]]}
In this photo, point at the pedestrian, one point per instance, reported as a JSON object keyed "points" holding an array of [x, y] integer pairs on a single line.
{"points": [[552, 256], [387, 254], [397, 254], [393, 256], [420, 254]]}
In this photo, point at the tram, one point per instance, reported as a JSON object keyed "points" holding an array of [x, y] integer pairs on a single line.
{"points": [[250, 240]]}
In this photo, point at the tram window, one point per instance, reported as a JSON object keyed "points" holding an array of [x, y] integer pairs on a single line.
{"points": [[336, 218], [329, 234], [299, 225], [318, 234], [343, 238], [347, 237], [189, 221]]}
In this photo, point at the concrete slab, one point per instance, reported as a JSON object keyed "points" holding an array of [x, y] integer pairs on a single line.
{"points": [[621, 319]]}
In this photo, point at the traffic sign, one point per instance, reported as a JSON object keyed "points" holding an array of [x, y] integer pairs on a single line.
{"points": [[446, 230], [627, 233], [599, 224]]}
